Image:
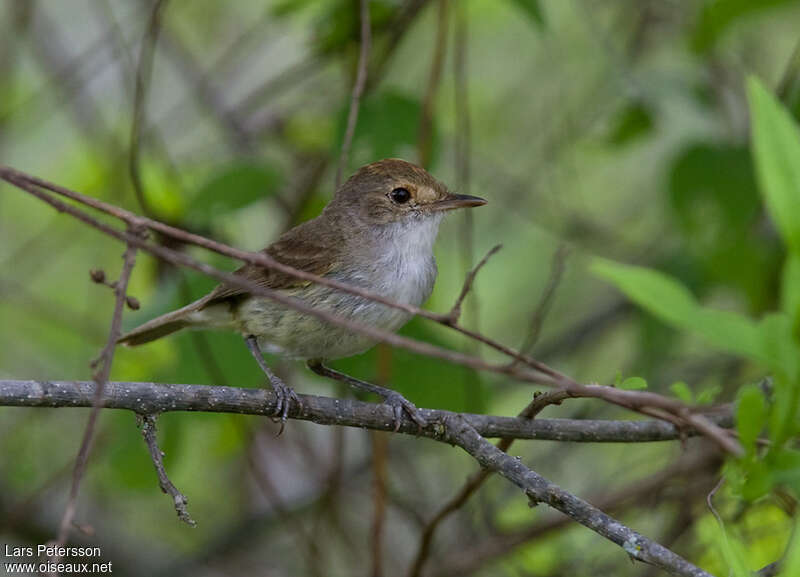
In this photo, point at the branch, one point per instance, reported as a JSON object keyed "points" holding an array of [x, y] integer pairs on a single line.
{"points": [[540, 490], [543, 307], [424, 142], [100, 377], [152, 398], [358, 90], [462, 430], [695, 468], [455, 312], [474, 482], [148, 427], [144, 73]]}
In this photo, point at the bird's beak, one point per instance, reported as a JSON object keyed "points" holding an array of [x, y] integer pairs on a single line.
{"points": [[453, 201]]}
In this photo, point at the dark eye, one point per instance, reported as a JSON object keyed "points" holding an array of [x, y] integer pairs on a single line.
{"points": [[400, 195]]}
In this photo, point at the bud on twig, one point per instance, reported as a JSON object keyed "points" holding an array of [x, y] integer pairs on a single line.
{"points": [[98, 275]]}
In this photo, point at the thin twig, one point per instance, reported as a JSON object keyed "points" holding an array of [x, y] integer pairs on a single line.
{"points": [[380, 447], [358, 90], [100, 377], [463, 144], [147, 423], [455, 312], [425, 139], [144, 73], [546, 300]]}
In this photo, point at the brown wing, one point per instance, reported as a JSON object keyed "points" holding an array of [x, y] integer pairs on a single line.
{"points": [[301, 247]]}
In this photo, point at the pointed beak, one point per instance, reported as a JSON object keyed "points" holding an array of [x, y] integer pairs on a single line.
{"points": [[453, 201]]}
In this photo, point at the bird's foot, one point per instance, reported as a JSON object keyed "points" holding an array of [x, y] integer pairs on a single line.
{"points": [[284, 396], [399, 403]]}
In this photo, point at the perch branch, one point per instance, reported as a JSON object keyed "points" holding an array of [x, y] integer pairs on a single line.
{"points": [[462, 430], [150, 398]]}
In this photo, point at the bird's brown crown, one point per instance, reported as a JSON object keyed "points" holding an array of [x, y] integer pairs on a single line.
{"points": [[389, 190]]}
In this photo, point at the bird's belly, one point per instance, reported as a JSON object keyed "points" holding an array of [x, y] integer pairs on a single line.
{"points": [[295, 334], [304, 336]]}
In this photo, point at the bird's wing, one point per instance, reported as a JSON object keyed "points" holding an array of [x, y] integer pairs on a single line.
{"points": [[297, 248]]}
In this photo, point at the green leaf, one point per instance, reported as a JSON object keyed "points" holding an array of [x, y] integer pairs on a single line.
{"points": [[733, 551], [785, 468], [532, 9], [633, 384], [775, 140], [233, 187], [670, 301], [654, 291], [718, 16], [779, 349], [790, 292], [707, 396], [783, 422], [715, 201], [758, 481], [751, 415], [682, 391], [729, 331], [632, 122], [388, 125], [791, 562]]}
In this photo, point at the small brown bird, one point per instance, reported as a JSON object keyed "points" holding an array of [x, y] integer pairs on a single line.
{"points": [[377, 234]]}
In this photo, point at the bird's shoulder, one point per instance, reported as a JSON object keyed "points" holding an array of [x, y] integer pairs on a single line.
{"points": [[308, 247]]}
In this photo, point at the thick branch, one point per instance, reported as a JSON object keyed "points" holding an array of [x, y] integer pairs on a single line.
{"points": [[540, 490], [463, 430], [153, 398]]}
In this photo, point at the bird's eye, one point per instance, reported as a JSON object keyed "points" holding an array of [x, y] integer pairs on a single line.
{"points": [[400, 195]]}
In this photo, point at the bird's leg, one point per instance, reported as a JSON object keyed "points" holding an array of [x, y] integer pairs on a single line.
{"points": [[392, 398], [283, 392]]}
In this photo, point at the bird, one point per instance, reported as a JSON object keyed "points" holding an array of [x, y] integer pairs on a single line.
{"points": [[377, 234]]}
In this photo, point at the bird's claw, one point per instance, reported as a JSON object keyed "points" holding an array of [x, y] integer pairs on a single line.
{"points": [[399, 403], [284, 395]]}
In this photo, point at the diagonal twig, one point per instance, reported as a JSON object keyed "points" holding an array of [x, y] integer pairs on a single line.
{"points": [[100, 376], [455, 312], [147, 424], [144, 73], [546, 300], [474, 482], [540, 490]]}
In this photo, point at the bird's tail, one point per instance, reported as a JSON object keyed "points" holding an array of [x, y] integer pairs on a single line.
{"points": [[161, 326]]}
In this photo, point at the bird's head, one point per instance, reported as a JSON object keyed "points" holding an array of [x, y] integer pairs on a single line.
{"points": [[393, 190]]}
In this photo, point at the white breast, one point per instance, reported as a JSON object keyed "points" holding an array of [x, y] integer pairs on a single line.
{"points": [[402, 265]]}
